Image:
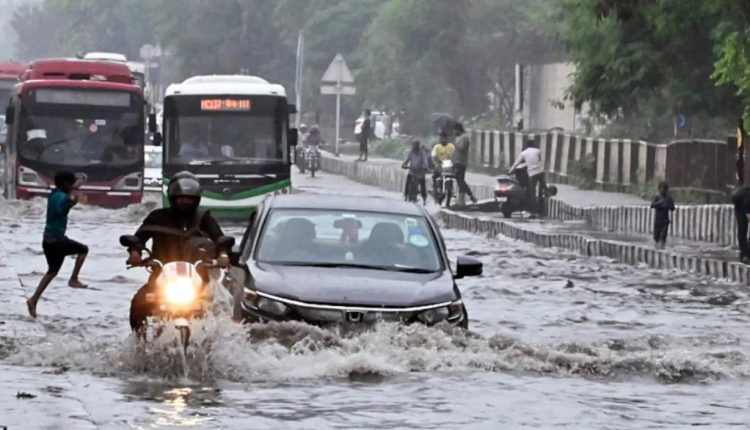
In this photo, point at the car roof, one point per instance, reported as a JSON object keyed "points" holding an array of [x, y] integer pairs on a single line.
{"points": [[345, 202]]}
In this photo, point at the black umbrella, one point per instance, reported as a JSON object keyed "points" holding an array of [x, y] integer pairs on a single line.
{"points": [[443, 121]]}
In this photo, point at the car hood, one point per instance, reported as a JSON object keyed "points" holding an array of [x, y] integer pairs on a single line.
{"points": [[353, 286]]}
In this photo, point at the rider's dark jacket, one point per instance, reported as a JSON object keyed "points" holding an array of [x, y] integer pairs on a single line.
{"points": [[171, 233]]}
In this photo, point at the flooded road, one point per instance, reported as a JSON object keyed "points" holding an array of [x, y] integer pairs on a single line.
{"points": [[556, 341]]}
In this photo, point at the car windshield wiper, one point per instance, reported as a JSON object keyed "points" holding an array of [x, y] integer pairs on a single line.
{"points": [[357, 266]]}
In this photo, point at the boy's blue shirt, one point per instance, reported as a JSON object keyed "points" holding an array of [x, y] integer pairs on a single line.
{"points": [[58, 207]]}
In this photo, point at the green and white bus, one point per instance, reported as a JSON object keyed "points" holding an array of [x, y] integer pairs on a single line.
{"points": [[233, 133]]}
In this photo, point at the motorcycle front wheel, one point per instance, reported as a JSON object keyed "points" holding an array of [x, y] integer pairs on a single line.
{"points": [[448, 193]]}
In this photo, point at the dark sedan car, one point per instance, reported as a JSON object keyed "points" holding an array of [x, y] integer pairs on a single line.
{"points": [[337, 259]]}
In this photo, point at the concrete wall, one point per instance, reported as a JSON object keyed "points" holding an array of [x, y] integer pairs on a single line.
{"points": [[618, 163], [545, 88]]}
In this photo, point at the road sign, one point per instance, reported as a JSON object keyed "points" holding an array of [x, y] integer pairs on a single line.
{"points": [[338, 71], [338, 74], [149, 51], [335, 90]]}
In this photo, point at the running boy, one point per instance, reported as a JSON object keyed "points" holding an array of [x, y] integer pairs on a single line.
{"points": [[55, 244]]}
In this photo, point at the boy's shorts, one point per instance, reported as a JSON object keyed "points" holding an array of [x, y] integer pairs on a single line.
{"points": [[56, 249]]}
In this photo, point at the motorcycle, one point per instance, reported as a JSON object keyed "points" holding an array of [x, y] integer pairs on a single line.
{"points": [[445, 183], [312, 159], [299, 159], [183, 290], [511, 192]]}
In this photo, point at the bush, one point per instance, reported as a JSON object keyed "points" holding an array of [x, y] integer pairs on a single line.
{"points": [[582, 172]]}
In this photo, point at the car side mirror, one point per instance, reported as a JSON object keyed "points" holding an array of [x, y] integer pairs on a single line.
{"points": [[293, 137], [225, 242], [152, 123], [234, 256], [9, 115], [130, 241], [157, 139], [467, 266]]}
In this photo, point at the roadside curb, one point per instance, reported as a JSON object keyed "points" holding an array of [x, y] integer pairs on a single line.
{"points": [[624, 252]]}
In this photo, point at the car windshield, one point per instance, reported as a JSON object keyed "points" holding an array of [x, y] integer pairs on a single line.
{"points": [[87, 138], [376, 240]]}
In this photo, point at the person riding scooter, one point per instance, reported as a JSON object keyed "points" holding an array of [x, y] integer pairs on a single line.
{"points": [[171, 230], [531, 158]]}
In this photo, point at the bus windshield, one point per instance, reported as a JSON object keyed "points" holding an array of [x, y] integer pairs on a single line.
{"points": [[215, 136], [80, 136]]}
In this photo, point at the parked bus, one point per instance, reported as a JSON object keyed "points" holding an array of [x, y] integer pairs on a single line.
{"points": [[79, 115], [9, 76], [233, 132]]}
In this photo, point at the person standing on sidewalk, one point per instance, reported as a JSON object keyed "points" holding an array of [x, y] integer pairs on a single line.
{"points": [[531, 157], [741, 202], [461, 163], [364, 135], [662, 204], [55, 244]]}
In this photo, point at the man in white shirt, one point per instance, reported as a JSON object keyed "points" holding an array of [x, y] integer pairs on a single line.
{"points": [[531, 158]]}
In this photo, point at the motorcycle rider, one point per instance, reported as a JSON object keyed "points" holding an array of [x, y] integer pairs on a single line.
{"points": [[418, 163], [300, 151], [531, 157], [171, 229], [442, 151]]}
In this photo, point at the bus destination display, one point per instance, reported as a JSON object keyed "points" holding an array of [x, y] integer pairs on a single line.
{"points": [[225, 104]]}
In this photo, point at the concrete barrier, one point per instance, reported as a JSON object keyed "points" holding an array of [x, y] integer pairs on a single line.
{"points": [[624, 252]]}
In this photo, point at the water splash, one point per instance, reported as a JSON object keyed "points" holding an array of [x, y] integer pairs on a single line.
{"points": [[221, 349]]}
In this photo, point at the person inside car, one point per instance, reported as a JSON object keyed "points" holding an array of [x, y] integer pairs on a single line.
{"points": [[171, 230]]}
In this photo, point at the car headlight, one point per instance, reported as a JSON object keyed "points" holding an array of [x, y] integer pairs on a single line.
{"points": [[129, 182], [271, 307], [453, 313], [180, 291], [30, 177]]}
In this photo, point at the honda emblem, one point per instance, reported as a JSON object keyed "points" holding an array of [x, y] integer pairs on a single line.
{"points": [[354, 316]]}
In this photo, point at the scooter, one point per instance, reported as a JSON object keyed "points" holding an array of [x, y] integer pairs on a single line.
{"points": [[180, 293], [511, 192], [445, 183]]}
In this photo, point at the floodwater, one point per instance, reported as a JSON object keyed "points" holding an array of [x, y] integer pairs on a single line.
{"points": [[556, 341]]}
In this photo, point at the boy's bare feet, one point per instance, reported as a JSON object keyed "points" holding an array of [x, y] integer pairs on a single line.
{"points": [[75, 283], [32, 308]]}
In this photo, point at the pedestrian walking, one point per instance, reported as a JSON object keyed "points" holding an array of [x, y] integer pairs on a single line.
{"points": [[364, 135], [461, 163], [741, 202], [55, 243], [662, 205]]}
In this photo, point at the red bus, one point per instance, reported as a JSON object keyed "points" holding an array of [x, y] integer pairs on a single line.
{"points": [[78, 115]]}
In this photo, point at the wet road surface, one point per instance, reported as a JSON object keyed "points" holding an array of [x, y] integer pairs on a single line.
{"points": [[556, 341]]}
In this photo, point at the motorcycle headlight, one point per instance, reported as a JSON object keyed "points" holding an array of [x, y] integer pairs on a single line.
{"points": [[271, 307], [180, 291]]}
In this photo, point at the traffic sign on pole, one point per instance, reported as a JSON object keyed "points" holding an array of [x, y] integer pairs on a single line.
{"points": [[334, 90], [340, 80]]}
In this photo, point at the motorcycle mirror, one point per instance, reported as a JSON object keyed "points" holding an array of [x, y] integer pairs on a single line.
{"points": [[129, 241]]}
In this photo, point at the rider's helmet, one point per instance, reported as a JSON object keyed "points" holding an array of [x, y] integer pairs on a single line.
{"points": [[303, 128], [184, 193]]}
